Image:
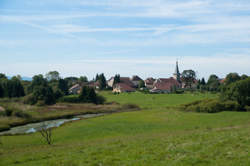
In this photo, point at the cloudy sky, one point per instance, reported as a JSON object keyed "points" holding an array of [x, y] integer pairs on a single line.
{"points": [[143, 37]]}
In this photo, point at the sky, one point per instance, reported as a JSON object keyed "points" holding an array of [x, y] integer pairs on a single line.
{"points": [[129, 37]]}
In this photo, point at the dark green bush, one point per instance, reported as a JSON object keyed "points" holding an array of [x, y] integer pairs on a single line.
{"points": [[247, 108], [70, 99], [130, 106], [211, 106], [29, 99], [232, 105], [21, 114], [8, 111]]}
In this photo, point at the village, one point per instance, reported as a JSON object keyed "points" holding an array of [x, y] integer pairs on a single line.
{"points": [[130, 84]]}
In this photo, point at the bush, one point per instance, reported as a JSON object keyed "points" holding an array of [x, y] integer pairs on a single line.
{"points": [[232, 105], [29, 99], [21, 114], [130, 106], [211, 106], [8, 111], [70, 99], [247, 108]]}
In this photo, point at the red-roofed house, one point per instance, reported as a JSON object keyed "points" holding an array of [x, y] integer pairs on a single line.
{"points": [[125, 80], [164, 85], [149, 83], [122, 87]]}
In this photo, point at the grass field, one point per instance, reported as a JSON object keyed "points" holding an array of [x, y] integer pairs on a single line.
{"points": [[156, 135]]}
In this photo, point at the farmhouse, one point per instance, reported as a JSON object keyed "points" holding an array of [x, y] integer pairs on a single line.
{"points": [[165, 85], [75, 89], [136, 80], [122, 87], [149, 83], [125, 80]]}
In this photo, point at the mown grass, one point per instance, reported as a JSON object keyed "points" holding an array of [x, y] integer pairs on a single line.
{"points": [[156, 135]]}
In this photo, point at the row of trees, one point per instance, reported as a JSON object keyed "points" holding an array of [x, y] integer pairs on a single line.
{"points": [[11, 88], [215, 84], [44, 90]]}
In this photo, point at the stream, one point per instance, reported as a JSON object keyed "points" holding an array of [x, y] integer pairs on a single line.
{"points": [[35, 127]]}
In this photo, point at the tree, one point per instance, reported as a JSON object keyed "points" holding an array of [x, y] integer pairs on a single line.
{"points": [[63, 86], [88, 95], [71, 80], [244, 76], [46, 134], [203, 82], [238, 91], [102, 81], [1, 91], [83, 79], [3, 76], [15, 88], [40, 91], [213, 83], [97, 77], [232, 77], [117, 79], [52, 76], [188, 76]]}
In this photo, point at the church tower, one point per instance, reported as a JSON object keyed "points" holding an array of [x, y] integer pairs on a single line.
{"points": [[177, 74]]}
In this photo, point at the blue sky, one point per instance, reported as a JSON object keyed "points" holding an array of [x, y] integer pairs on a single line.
{"points": [[143, 37]]}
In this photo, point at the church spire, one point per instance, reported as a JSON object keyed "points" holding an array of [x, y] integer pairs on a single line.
{"points": [[177, 74]]}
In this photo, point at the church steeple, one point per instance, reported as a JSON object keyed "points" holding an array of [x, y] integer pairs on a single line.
{"points": [[177, 74]]}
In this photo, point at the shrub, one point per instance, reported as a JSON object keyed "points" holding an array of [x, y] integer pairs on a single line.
{"points": [[211, 106], [70, 99], [8, 111], [21, 114], [232, 105], [130, 106], [29, 99], [247, 108]]}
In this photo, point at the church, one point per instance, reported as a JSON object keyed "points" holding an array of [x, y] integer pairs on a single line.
{"points": [[166, 85]]}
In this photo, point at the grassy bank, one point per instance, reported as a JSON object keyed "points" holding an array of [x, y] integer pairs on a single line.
{"points": [[29, 114], [156, 135]]}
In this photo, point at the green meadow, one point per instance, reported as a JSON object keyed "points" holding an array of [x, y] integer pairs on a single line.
{"points": [[158, 134]]}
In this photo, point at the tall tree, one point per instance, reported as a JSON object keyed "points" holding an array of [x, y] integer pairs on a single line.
{"points": [[16, 88], [232, 77], [1, 91], [52, 76], [238, 91], [203, 82], [83, 79], [41, 91], [117, 79], [213, 83], [3, 76], [63, 86], [188, 76], [244, 76], [103, 82], [97, 77]]}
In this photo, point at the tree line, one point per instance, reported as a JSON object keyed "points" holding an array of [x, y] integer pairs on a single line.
{"points": [[46, 90]]}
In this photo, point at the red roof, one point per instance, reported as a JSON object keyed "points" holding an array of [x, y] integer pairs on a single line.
{"points": [[150, 81], [136, 78], [166, 83], [124, 87], [127, 81]]}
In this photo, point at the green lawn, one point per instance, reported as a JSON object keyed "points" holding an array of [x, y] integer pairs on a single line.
{"points": [[155, 135]]}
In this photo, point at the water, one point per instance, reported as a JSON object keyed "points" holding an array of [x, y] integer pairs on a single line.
{"points": [[35, 127]]}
